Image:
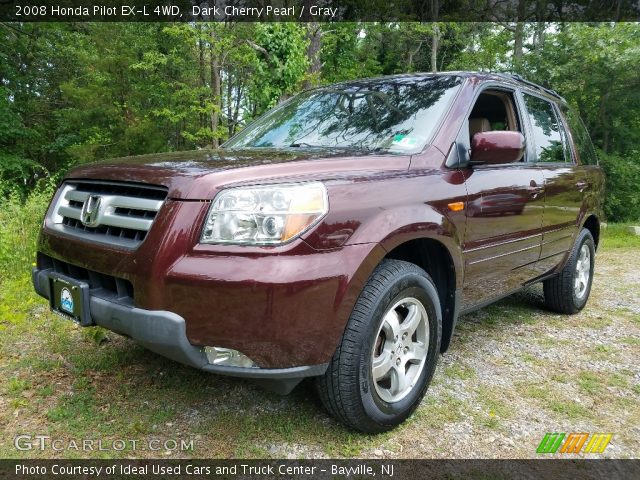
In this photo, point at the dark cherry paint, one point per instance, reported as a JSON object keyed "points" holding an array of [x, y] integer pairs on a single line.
{"points": [[497, 147], [288, 305]]}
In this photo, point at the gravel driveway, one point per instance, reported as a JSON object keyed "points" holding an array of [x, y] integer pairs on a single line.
{"points": [[514, 372]]}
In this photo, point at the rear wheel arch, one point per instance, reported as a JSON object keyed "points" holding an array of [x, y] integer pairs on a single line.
{"points": [[568, 291], [592, 223]]}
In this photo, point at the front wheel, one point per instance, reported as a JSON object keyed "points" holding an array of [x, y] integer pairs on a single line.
{"points": [[387, 355], [569, 290]]}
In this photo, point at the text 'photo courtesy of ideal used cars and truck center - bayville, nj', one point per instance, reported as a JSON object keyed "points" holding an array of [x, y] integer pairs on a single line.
{"points": [[292, 233]]}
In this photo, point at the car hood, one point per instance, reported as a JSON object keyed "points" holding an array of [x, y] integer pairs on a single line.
{"points": [[199, 174]]}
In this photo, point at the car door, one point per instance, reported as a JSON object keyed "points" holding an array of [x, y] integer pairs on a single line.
{"points": [[504, 219], [564, 182]]}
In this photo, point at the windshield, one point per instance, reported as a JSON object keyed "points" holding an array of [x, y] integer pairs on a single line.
{"points": [[396, 115]]}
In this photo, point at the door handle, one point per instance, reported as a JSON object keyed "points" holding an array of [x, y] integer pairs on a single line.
{"points": [[582, 186], [534, 189], [534, 193]]}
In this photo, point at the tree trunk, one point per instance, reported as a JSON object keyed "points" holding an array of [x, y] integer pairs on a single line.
{"points": [[314, 35], [434, 47], [201, 72], [538, 37], [236, 110], [540, 26], [216, 87], [517, 49], [229, 103], [413, 53], [435, 39], [519, 37]]}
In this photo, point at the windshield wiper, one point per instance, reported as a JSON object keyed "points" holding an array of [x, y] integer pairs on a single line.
{"points": [[355, 148]]}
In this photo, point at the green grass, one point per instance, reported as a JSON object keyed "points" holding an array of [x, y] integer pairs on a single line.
{"points": [[442, 410], [590, 383], [15, 386], [494, 408], [568, 408], [617, 235], [534, 391], [460, 371], [604, 352], [71, 382]]}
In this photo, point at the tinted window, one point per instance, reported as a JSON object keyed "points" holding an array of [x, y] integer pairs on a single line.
{"points": [[581, 138], [397, 116], [545, 130]]}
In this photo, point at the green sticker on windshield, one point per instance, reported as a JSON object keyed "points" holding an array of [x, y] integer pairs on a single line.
{"points": [[404, 141]]}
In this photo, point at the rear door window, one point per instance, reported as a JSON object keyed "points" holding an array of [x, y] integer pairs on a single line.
{"points": [[545, 130]]}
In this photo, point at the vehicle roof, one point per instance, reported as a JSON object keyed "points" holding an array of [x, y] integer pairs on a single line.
{"points": [[504, 77]]}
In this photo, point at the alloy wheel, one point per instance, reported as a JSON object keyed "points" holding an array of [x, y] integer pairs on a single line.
{"points": [[400, 349], [582, 273]]}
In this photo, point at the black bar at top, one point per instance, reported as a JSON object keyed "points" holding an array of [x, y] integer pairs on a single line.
{"points": [[319, 10]]}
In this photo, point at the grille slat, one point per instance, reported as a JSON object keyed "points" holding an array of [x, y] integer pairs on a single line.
{"points": [[124, 213], [70, 212]]}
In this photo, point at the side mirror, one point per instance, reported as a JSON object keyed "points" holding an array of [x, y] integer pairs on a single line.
{"points": [[497, 147]]}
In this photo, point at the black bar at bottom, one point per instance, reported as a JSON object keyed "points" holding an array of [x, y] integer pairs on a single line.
{"points": [[558, 469]]}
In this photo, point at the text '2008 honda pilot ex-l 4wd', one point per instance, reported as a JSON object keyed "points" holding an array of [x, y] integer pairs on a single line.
{"points": [[339, 236]]}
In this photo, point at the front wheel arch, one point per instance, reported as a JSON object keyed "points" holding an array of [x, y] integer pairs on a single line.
{"points": [[435, 258]]}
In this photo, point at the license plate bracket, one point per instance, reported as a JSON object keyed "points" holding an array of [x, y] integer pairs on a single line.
{"points": [[69, 298]]}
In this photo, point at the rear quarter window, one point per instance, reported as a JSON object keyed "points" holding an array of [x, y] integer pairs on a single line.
{"points": [[581, 138]]}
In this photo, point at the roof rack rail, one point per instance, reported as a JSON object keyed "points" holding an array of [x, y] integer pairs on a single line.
{"points": [[520, 78]]}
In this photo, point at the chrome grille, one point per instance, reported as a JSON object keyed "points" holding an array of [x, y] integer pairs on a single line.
{"points": [[120, 213]]}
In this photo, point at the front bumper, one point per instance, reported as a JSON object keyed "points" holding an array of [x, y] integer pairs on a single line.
{"points": [[164, 333], [284, 307]]}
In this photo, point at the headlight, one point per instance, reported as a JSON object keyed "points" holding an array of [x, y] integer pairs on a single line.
{"points": [[264, 215]]}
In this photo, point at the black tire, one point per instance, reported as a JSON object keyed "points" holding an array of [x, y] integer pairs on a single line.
{"points": [[347, 390], [559, 292]]}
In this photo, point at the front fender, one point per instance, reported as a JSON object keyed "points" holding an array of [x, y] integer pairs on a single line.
{"points": [[391, 228]]}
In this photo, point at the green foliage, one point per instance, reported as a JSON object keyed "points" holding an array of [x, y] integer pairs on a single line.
{"points": [[596, 68], [283, 62], [622, 200], [21, 222], [486, 48], [73, 93], [339, 53], [97, 335], [16, 172]]}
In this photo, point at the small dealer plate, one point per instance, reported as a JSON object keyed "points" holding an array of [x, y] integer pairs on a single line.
{"points": [[70, 299]]}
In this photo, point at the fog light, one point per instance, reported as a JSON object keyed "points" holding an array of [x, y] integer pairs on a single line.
{"points": [[227, 357]]}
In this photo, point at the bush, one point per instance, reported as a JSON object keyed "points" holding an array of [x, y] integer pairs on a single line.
{"points": [[18, 174], [21, 221], [622, 201]]}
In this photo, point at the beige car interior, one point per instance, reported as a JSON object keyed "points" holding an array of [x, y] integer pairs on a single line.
{"points": [[494, 110]]}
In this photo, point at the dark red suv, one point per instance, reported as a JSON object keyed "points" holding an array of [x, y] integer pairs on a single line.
{"points": [[339, 236]]}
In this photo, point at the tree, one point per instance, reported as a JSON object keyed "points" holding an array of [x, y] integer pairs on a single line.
{"points": [[80, 92]]}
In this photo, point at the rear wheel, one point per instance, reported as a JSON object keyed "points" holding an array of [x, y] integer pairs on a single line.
{"points": [[569, 291], [388, 353]]}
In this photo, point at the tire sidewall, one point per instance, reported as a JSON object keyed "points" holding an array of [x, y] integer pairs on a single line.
{"points": [[587, 239], [409, 285]]}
